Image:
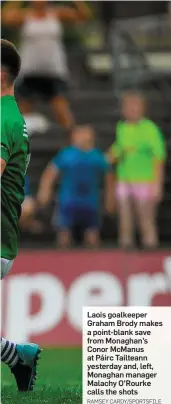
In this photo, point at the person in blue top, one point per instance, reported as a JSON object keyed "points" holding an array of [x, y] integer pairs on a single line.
{"points": [[28, 222], [81, 168]]}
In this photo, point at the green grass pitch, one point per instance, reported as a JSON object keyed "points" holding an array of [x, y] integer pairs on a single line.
{"points": [[59, 380]]}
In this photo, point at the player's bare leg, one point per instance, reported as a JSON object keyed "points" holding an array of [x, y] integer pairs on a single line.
{"points": [[64, 239], [63, 113], [27, 219], [126, 223], [92, 238], [147, 223]]}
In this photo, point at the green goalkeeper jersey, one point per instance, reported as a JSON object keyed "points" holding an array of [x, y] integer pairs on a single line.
{"points": [[15, 151]]}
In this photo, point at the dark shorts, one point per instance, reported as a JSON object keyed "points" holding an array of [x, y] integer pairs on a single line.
{"points": [[72, 217], [44, 87]]}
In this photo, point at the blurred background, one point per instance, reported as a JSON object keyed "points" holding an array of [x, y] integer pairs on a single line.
{"points": [[78, 59], [101, 50]]}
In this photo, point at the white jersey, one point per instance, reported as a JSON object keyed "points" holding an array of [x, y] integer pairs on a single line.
{"points": [[42, 49]]}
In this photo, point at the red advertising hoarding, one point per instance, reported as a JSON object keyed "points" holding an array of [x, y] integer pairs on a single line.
{"points": [[43, 295]]}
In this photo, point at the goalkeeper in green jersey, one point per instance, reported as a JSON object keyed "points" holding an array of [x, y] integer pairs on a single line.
{"points": [[21, 358]]}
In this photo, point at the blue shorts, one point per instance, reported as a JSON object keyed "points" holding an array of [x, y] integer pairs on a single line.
{"points": [[72, 216]]}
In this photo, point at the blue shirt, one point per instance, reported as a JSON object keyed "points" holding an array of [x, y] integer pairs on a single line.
{"points": [[81, 175]]}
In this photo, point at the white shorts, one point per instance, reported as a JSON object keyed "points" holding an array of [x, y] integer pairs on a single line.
{"points": [[6, 265]]}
